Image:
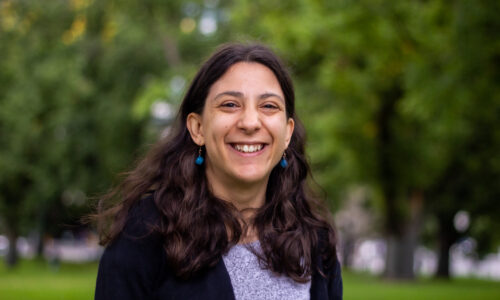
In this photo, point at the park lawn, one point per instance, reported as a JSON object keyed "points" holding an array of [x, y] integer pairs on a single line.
{"points": [[362, 286], [36, 280]]}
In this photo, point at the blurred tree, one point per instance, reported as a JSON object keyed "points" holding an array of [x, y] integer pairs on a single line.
{"points": [[470, 181], [40, 86]]}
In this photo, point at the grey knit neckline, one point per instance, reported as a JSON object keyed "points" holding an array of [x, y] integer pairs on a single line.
{"points": [[251, 281]]}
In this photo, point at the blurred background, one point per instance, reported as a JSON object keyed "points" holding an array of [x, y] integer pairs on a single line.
{"points": [[401, 101]]}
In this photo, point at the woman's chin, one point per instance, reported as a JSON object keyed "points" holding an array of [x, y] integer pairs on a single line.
{"points": [[251, 176]]}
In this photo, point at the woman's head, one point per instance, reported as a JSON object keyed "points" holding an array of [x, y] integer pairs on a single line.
{"points": [[243, 127]]}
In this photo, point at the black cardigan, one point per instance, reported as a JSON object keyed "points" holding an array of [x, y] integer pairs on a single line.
{"points": [[134, 267]]}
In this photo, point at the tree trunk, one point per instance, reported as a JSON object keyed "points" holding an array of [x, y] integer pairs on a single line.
{"points": [[40, 233], [348, 242], [401, 245], [447, 237], [399, 261], [443, 268], [11, 259]]}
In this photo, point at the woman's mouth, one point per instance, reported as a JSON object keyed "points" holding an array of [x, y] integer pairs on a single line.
{"points": [[248, 148]]}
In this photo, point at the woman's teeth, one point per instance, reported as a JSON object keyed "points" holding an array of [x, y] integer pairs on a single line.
{"points": [[248, 148]]}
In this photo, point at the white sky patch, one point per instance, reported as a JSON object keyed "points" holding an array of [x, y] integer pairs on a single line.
{"points": [[208, 23], [162, 110], [461, 221]]}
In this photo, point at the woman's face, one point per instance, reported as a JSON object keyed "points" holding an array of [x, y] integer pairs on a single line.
{"points": [[244, 125]]}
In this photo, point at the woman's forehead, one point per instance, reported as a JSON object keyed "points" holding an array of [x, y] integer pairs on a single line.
{"points": [[244, 78]]}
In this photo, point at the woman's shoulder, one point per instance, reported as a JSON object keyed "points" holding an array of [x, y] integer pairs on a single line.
{"points": [[328, 263], [134, 263], [326, 250], [139, 235], [143, 217], [138, 245]]}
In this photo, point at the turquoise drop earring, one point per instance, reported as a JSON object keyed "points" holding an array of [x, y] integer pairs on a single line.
{"points": [[199, 159], [283, 162]]}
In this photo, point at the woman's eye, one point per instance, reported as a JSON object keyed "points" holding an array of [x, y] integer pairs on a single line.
{"points": [[270, 106], [229, 104]]}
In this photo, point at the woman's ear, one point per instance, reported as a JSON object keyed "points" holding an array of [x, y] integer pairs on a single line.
{"points": [[194, 125], [290, 125]]}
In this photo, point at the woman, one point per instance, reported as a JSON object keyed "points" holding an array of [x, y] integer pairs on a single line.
{"points": [[220, 209]]}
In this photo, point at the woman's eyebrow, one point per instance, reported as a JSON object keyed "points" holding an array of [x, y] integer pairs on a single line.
{"points": [[229, 93], [268, 95]]}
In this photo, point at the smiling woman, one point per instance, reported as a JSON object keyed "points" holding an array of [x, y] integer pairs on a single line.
{"points": [[210, 212]]}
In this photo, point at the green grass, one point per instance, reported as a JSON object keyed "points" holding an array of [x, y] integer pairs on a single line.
{"points": [[360, 286], [37, 280]]}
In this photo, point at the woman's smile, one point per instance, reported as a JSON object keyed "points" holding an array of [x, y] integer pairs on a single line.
{"points": [[248, 148]]}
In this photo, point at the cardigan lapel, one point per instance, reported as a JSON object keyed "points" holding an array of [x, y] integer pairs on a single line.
{"points": [[214, 284], [225, 280]]}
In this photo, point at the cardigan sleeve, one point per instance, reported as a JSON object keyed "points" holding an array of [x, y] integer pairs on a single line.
{"points": [[130, 267], [326, 280], [335, 288]]}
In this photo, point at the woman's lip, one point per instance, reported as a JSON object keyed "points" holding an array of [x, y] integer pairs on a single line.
{"points": [[247, 154], [247, 143]]}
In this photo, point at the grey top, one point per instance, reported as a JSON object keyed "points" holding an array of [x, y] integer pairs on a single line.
{"points": [[252, 282]]}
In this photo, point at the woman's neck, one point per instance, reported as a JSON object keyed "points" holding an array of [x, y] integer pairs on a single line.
{"points": [[243, 195], [246, 197]]}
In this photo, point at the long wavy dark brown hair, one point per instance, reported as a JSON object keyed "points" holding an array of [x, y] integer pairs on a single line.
{"points": [[194, 224]]}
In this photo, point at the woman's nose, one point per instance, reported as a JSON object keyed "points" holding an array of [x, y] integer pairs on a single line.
{"points": [[249, 120]]}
